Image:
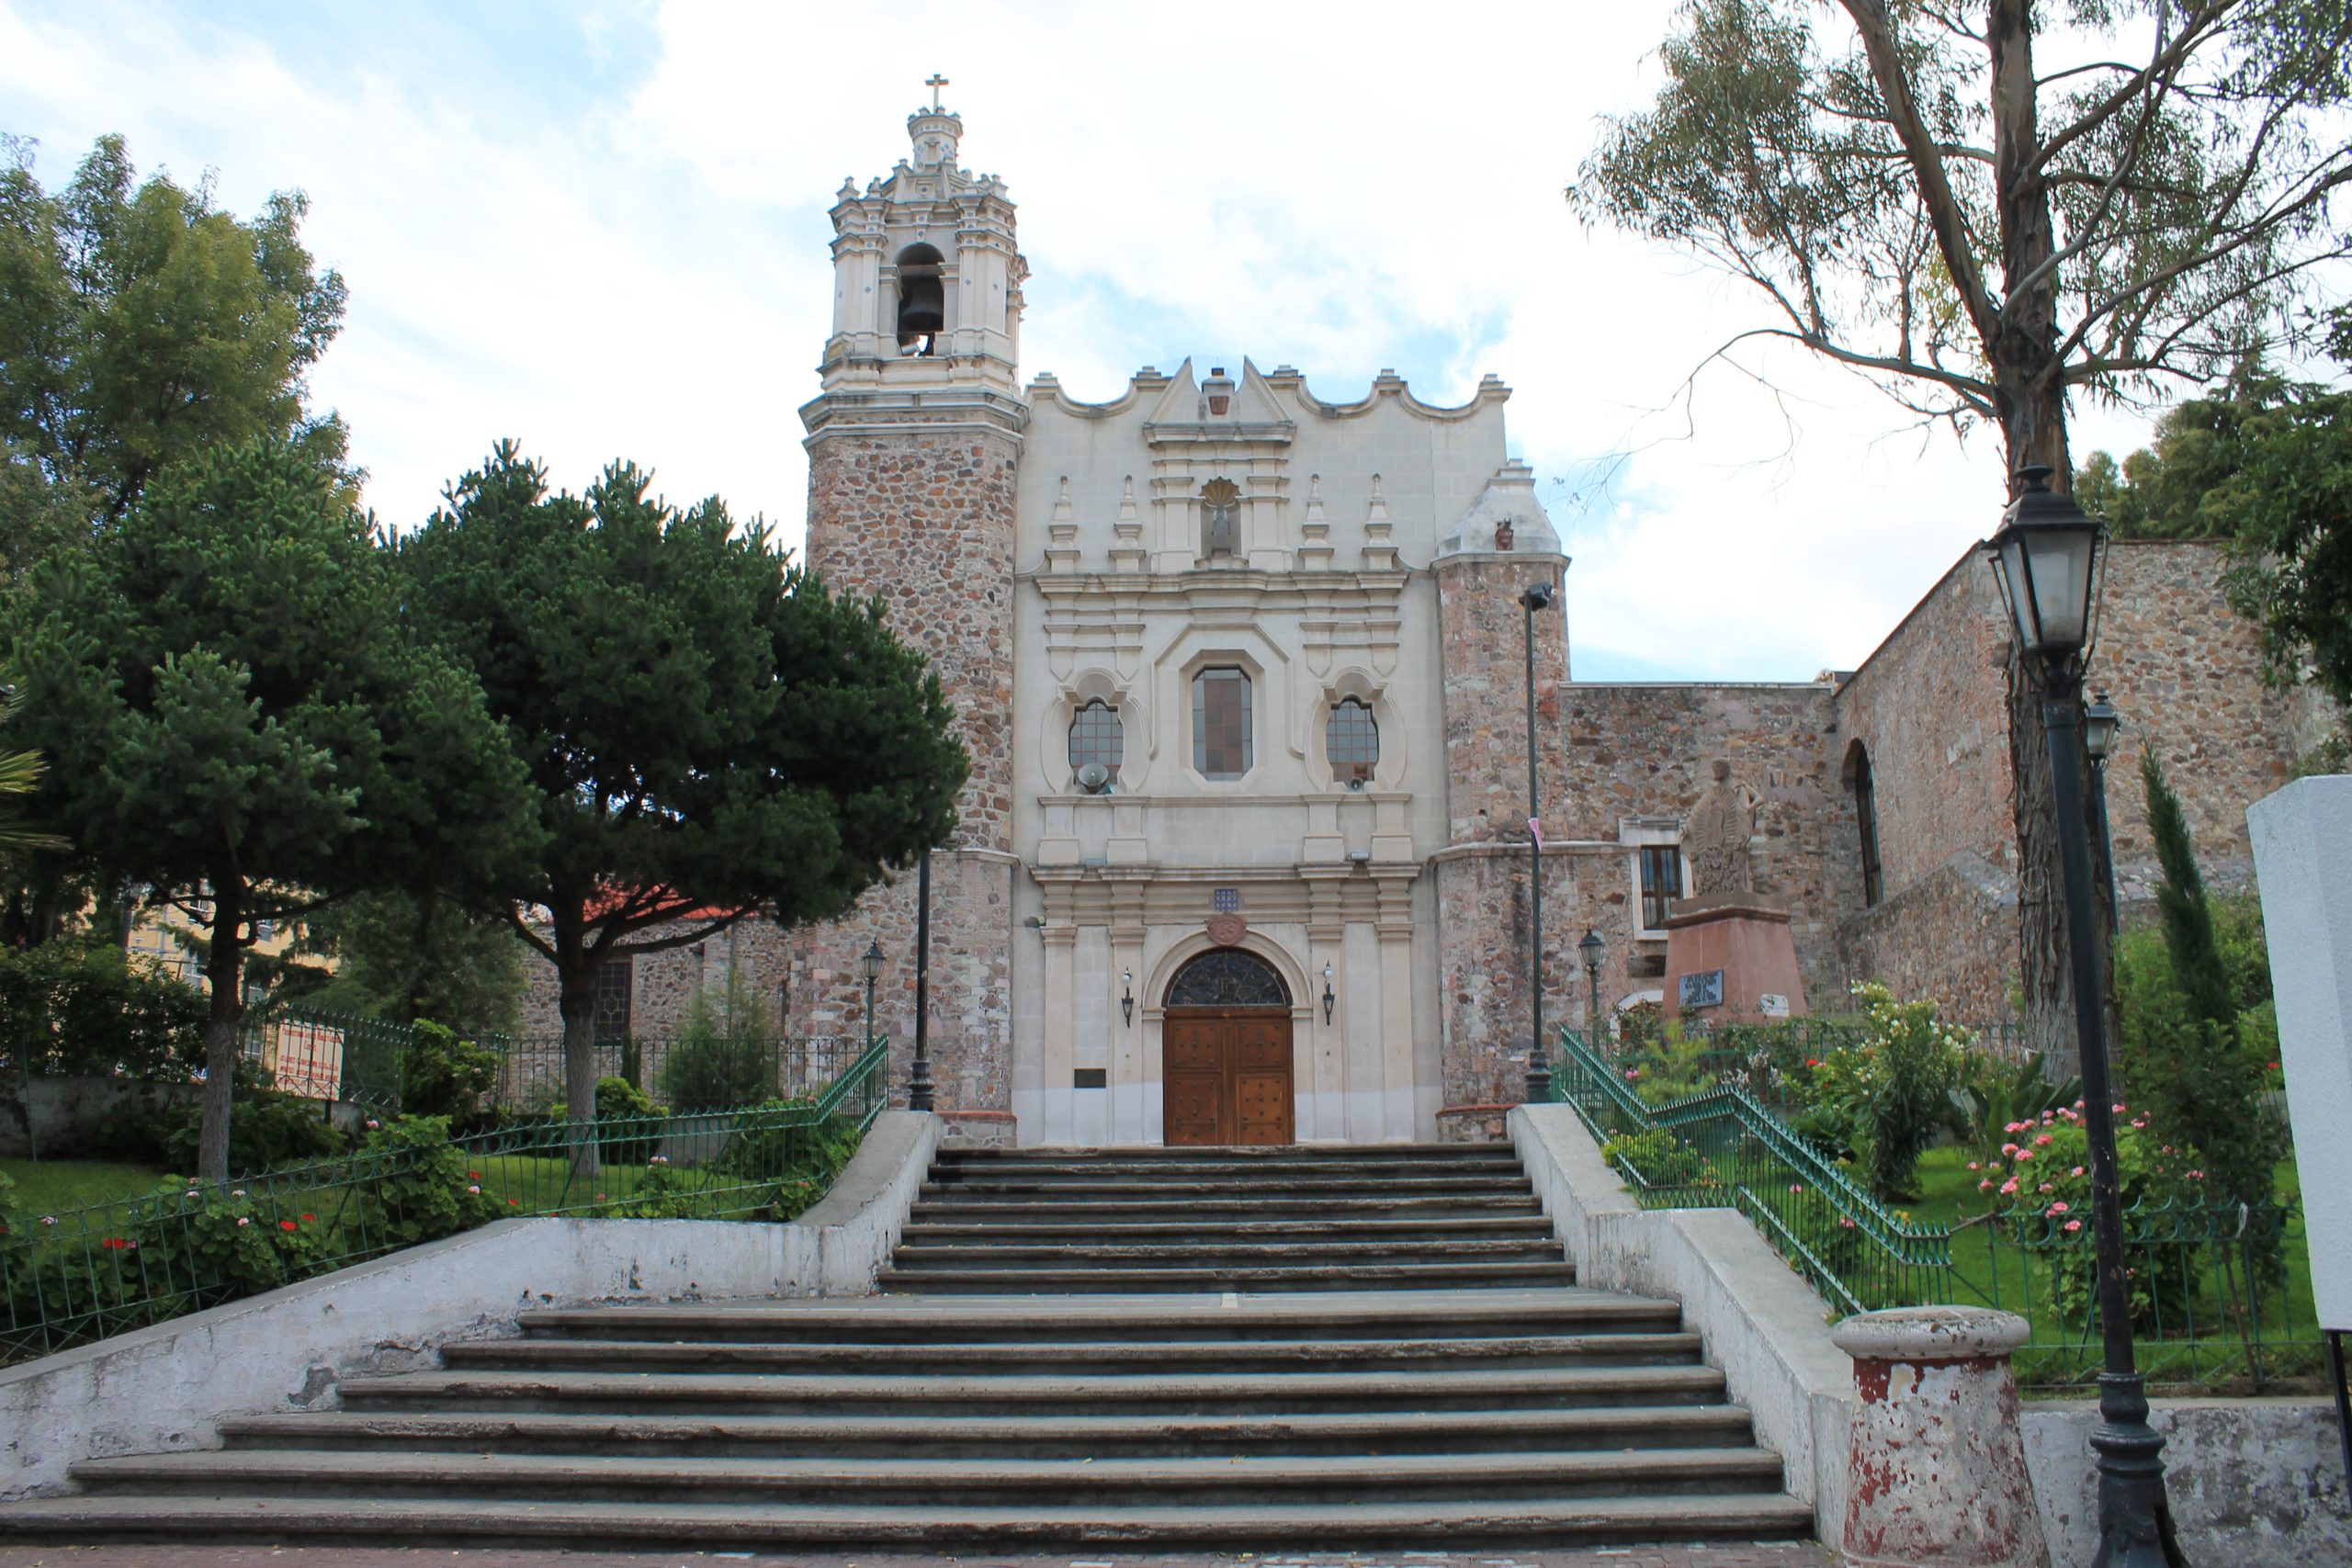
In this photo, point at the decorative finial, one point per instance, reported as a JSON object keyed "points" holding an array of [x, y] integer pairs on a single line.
{"points": [[934, 82]]}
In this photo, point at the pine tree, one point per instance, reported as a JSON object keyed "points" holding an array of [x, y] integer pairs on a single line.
{"points": [[2196, 968]]}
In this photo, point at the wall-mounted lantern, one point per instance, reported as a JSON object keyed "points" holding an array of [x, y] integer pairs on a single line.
{"points": [[1329, 1001], [1128, 1001]]}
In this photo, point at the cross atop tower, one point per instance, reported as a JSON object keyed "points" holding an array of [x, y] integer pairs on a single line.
{"points": [[934, 82]]}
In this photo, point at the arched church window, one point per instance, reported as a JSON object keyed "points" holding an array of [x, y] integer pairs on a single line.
{"points": [[1866, 817], [1352, 742], [1228, 978], [1221, 742], [923, 300], [1220, 517], [1096, 738]]}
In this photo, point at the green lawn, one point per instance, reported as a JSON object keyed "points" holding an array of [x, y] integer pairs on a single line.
{"points": [[48, 1187]]}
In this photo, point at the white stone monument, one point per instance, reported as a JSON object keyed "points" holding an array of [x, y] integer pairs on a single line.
{"points": [[2303, 856]]}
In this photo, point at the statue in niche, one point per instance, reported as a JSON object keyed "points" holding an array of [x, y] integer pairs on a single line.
{"points": [[1715, 840]]}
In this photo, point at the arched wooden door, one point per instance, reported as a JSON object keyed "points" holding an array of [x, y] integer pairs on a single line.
{"points": [[1224, 1053]]}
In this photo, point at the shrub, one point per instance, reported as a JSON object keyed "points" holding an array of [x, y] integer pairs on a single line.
{"points": [[221, 1244], [725, 1057], [437, 1193], [68, 1008], [1891, 1093], [1657, 1155], [443, 1076], [617, 1099], [266, 1129]]}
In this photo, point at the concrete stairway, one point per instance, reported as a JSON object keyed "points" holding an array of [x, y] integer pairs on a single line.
{"points": [[1065, 1355]]}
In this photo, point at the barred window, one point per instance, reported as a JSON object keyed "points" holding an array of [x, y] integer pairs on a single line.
{"points": [[1095, 736], [1866, 815], [615, 981], [1661, 882], [1352, 740], [1221, 747]]}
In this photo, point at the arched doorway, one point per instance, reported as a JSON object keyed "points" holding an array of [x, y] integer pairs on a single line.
{"points": [[1225, 1051]]}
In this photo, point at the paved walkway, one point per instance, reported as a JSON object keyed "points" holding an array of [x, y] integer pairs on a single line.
{"points": [[1719, 1555]]}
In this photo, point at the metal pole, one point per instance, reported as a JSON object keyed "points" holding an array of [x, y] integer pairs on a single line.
{"points": [[869, 1014], [918, 1076], [1539, 1069], [2106, 844], [1592, 1005], [2343, 1399], [2133, 1530]]}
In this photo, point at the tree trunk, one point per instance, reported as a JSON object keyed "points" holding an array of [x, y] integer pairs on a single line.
{"points": [[224, 967], [2031, 393], [575, 968]]}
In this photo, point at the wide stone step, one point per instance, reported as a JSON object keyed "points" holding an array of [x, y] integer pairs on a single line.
{"points": [[261, 1517], [1074, 1357], [1237, 1206], [1136, 1394], [1017, 1437], [894, 1320], [1269, 1186], [1320, 1254], [1231, 1276], [925, 1229], [1209, 1482], [1398, 1172], [1271, 1154]]}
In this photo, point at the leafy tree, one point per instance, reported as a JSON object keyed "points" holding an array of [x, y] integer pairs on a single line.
{"points": [[19, 774], [410, 957], [139, 323], [239, 721], [2264, 466], [706, 730], [1985, 238]]}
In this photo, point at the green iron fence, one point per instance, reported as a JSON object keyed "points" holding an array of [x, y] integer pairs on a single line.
{"points": [[2221, 1293], [77, 1275]]}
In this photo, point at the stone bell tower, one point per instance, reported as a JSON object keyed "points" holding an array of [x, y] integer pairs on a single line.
{"points": [[914, 445]]}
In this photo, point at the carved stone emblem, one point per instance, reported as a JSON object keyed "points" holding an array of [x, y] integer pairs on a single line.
{"points": [[1227, 928]]}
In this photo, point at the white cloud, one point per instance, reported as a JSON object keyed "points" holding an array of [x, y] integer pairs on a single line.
{"points": [[637, 266]]}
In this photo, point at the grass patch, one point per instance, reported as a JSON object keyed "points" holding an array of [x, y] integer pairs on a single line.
{"points": [[51, 1185]]}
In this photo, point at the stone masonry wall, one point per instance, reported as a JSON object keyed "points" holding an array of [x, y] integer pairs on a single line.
{"points": [[1644, 751], [2184, 670], [1481, 880], [1952, 935], [925, 519]]}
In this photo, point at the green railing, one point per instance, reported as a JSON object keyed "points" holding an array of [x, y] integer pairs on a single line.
{"points": [[1722, 1148], [2221, 1293], [77, 1275]]}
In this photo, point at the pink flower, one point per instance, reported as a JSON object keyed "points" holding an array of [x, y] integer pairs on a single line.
{"points": [[2195, 1175], [1985, 1185], [2024, 1155], [2009, 1187], [2074, 1225], [238, 1193], [1796, 1187], [2047, 1187], [2043, 1139], [1973, 1166], [474, 1190], [2059, 1207], [2139, 1123], [2010, 1149], [2120, 1108], [2078, 1170], [243, 1221]]}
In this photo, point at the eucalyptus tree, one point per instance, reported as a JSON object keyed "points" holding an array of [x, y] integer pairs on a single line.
{"points": [[707, 732], [235, 716], [1991, 209]]}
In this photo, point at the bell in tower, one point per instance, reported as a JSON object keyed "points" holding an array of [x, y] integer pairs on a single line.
{"points": [[923, 300]]}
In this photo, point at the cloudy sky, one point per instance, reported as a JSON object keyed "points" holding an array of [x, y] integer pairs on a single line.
{"points": [[600, 229]]}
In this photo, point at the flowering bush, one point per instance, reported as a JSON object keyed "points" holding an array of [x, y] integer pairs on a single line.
{"points": [[1657, 1156], [437, 1195], [223, 1244], [1889, 1094], [2039, 1186]]}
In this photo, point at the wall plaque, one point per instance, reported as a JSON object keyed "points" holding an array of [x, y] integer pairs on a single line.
{"points": [[1226, 928], [1704, 989]]}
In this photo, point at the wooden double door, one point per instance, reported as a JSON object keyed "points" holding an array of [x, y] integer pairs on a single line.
{"points": [[1226, 1076]]}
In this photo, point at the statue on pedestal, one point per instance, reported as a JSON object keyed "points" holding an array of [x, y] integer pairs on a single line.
{"points": [[1715, 840]]}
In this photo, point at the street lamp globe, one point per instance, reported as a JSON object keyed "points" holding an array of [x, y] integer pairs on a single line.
{"points": [[1592, 947], [2046, 556], [872, 962], [2100, 721]]}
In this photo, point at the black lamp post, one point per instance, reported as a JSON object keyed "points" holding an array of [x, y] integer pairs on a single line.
{"points": [[872, 965], [1536, 596], [1592, 947], [918, 1075], [2046, 559], [2100, 721]]}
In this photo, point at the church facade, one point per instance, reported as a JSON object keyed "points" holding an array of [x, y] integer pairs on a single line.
{"points": [[1249, 680]]}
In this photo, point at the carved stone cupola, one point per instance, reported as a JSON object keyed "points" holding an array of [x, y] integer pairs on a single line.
{"points": [[927, 278]]}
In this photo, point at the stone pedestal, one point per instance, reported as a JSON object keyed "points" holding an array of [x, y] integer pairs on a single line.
{"points": [[1746, 941], [1938, 1463]]}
